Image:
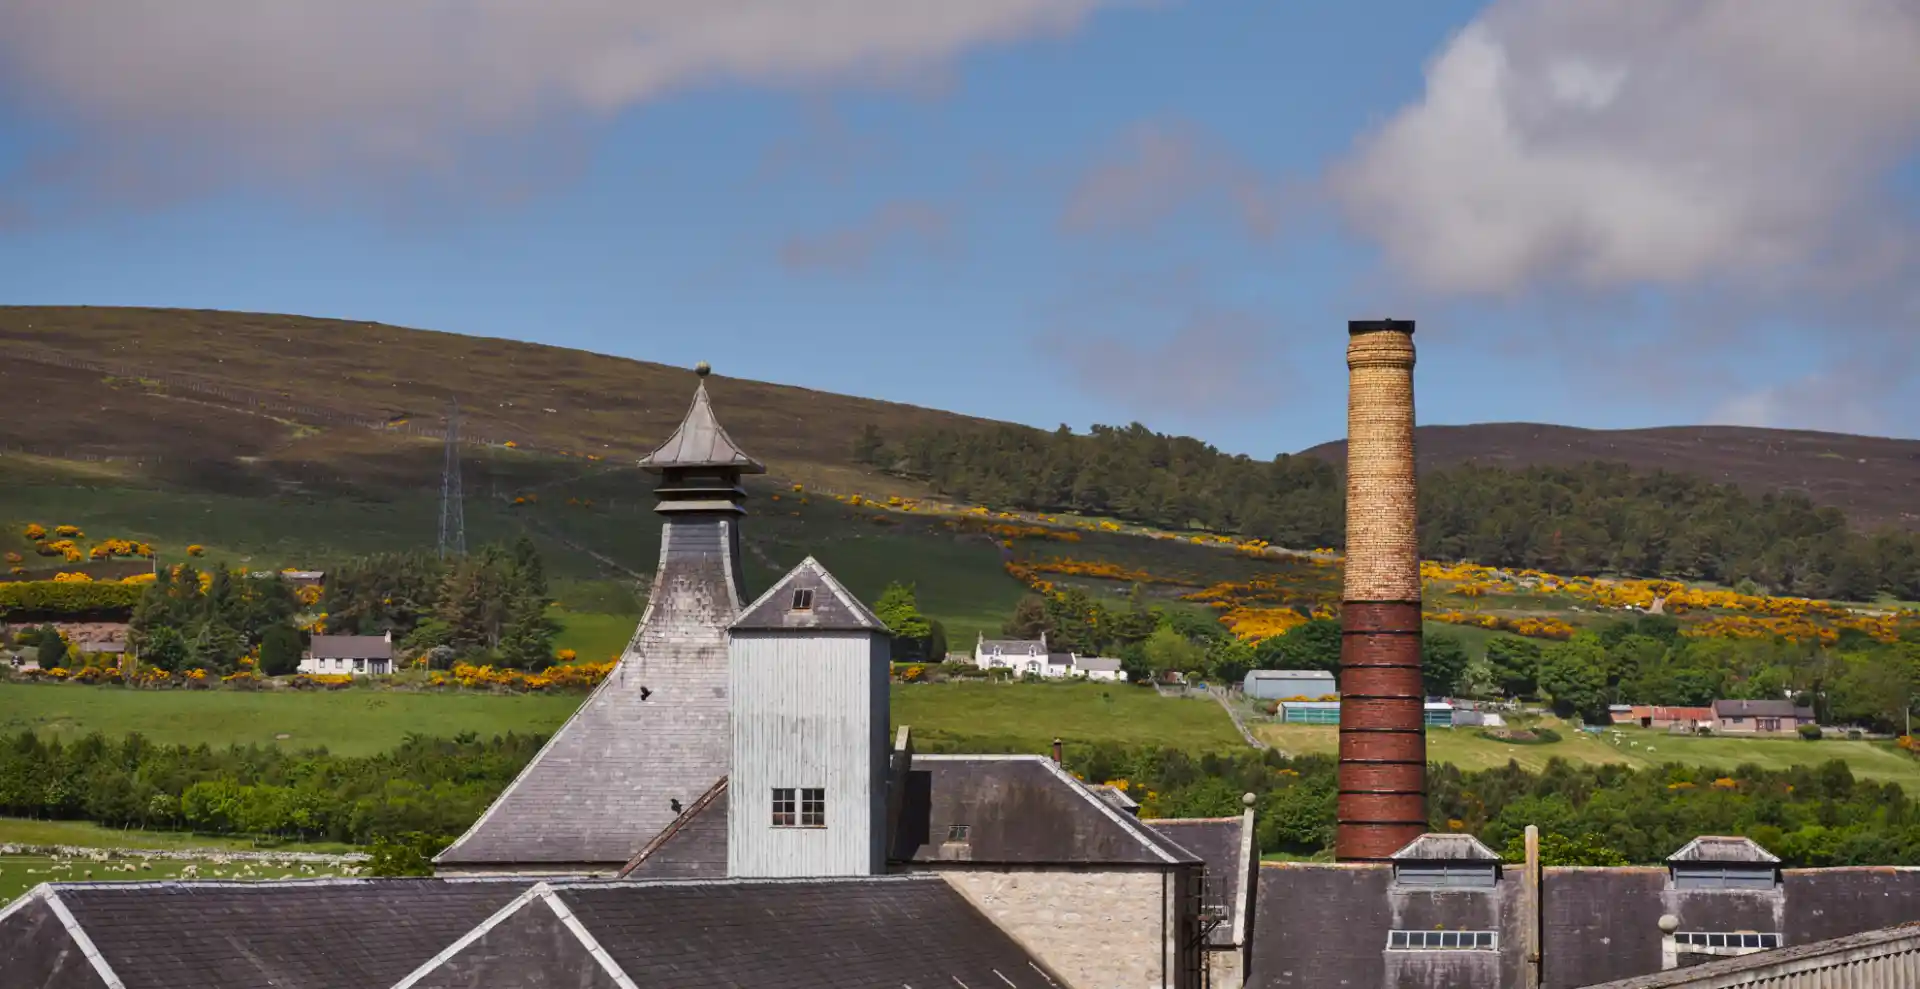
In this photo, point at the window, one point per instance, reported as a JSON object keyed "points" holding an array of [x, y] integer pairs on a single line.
{"points": [[808, 811], [1769, 724], [802, 599], [813, 808], [783, 812], [1442, 941], [359, 666], [957, 832], [1726, 942]]}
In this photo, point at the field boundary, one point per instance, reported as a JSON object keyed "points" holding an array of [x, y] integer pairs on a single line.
{"points": [[183, 854]]}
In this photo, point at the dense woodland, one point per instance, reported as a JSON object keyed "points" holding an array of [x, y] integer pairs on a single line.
{"points": [[1592, 519], [488, 607]]}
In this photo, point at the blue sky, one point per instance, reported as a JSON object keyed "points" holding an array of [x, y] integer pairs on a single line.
{"points": [[1046, 211]]}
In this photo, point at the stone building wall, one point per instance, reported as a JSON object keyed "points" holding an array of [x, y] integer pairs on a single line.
{"points": [[1098, 928]]}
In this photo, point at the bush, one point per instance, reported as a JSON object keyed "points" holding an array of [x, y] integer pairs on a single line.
{"points": [[27, 599], [1810, 732], [1520, 736]]}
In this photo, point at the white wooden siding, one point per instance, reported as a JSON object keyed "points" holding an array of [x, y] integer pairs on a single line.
{"points": [[809, 710]]}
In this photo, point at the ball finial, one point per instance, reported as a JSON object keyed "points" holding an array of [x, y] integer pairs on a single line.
{"points": [[1669, 923], [703, 369], [1248, 799]]}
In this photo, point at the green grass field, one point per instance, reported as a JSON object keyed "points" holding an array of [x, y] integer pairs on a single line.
{"points": [[1464, 747], [348, 722], [20, 873], [593, 637], [1026, 717], [86, 834]]}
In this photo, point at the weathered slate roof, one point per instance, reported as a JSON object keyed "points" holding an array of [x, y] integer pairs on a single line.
{"points": [[316, 934], [1445, 848], [699, 441], [694, 846], [648, 741], [793, 934], [1014, 647], [831, 607], [1223, 844], [1720, 848], [1761, 709], [351, 647], [1019, 809]]}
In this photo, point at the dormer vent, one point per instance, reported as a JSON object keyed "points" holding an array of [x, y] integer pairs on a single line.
{"points": [[1446, 861]]}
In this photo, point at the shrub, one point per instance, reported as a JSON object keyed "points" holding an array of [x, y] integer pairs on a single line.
{"points": [[1810, 732], [50, 599]]}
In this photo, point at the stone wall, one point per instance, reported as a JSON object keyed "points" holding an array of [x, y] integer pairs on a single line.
{"points": [[1097, 927]]}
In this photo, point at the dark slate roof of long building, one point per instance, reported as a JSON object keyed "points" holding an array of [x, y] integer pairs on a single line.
{"points": [[1019, 810], [793, 934], [699, 441], [1761, 709], [646, 743], [1220, 842], [317, 934], [831, 607], [694, 846]]}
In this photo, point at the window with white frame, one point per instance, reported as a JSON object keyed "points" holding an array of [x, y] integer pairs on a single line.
{"points": [[1725, 942], [1443, 941]]}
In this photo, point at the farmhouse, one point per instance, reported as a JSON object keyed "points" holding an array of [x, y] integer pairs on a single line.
{"points": [[1273, 685], [1675, 719], [355, 655], [1019, 655], [1759, 717]]}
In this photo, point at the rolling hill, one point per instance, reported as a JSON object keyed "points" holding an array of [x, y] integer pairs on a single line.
{"points": [[1872, 479], [286, 441]]}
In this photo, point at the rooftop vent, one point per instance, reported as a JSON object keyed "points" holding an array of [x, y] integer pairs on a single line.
{"points": [[1717, 862], [1451, 861]]}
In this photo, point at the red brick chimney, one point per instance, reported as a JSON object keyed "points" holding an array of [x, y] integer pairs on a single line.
{"points": [[1383, 744]]}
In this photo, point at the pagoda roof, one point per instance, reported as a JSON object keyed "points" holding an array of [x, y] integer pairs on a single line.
{"points": [[699, 441]]}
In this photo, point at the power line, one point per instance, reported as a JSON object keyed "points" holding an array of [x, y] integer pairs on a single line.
{"points": [[453, 516]]}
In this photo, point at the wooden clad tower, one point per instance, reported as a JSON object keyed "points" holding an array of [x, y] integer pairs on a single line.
{"points": [[808, 678], [654, 736], [1383, 747]]}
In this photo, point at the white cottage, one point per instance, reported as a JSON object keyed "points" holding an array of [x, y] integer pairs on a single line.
{"points": [[1018, 655]]}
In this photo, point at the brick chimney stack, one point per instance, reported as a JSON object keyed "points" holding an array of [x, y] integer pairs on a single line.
{"points": [[1383, 745]]}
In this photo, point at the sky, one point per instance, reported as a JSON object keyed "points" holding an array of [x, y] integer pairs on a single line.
{"points": [[1600, 214]]}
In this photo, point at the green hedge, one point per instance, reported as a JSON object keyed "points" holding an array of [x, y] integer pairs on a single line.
{"points": [[41, 599]]}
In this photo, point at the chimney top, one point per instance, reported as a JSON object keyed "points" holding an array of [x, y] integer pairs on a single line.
{"points": [[1355, 327], [1056, 751]]}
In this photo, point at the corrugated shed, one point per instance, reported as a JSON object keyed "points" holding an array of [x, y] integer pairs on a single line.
{"points": [[1881, 959], [809, 712]]}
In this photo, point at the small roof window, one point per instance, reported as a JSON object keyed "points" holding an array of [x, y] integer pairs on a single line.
{"points": [[802, 599]]}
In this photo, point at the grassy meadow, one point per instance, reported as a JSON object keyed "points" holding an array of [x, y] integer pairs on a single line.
{"points": [[20, 873], [1464, 747], [1027, 717], [86, 834], [346, 722]]}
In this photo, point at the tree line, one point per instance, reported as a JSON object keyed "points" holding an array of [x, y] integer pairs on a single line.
{"points": [[1590, 815], [411, 800], [489, 607], [1588, 519], [426, 785]]}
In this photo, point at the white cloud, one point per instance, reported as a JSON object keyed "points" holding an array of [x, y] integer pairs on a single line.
{"points": [[316, 88], [1160, 168], [1609, 144]]}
